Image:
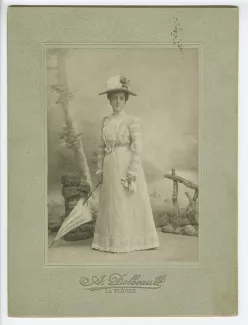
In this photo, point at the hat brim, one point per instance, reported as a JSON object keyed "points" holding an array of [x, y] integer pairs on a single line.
{"points": [[118, 89]]}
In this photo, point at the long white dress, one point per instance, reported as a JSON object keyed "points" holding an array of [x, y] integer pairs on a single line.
{"points": [[125, 221]]}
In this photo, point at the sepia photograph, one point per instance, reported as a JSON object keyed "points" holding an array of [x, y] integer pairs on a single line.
{"points": [[122, 154]]}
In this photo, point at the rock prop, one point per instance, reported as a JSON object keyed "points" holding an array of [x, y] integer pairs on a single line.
{"points": [[161, 219], [187, 224], [186, 230], [189, 230], [73, 189], [170, 229], [53, 226]]}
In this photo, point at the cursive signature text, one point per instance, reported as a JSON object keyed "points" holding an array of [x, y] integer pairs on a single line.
{"points": [[176, 33], [121, 281]]}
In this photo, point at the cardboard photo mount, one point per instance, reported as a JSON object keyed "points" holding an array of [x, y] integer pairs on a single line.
{"points": [[36, 289]]}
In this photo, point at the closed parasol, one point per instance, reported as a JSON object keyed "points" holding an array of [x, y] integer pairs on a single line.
{"points": [[78, 216]]}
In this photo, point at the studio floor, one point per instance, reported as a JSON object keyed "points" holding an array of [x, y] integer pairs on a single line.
{"points": [[173, 249]]}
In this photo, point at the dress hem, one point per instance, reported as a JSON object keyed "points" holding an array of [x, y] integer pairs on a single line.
{"points": [[118, 246], [111, 250]]}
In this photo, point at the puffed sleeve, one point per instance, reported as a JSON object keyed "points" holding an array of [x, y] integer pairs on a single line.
{"points": [[101, 150], [136, 145]]}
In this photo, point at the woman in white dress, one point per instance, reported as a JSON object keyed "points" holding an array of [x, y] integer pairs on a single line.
{"points": [[125, 221]]}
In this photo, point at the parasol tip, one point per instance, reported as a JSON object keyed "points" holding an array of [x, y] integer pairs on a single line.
{"points": [[52, 244]]}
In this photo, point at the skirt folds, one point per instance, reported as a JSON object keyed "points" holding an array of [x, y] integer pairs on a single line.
{"points": [[125, 221]]}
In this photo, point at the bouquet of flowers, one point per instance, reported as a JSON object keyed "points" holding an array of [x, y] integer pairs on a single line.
{"points": [[129, 185]]}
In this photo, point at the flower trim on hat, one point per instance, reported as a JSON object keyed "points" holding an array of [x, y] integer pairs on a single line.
{"points": [[125, 82], [117, 82]]}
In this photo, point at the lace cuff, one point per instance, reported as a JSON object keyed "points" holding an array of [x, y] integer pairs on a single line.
{"points": [[132, 173]]}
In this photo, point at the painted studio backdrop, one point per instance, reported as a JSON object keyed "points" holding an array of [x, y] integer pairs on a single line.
{"points": [[166, 82]]}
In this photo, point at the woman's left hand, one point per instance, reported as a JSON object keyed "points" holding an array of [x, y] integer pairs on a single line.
{"points": [[131, 178]]}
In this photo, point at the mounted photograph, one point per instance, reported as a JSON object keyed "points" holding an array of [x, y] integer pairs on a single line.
{"points": [[122, 154]]}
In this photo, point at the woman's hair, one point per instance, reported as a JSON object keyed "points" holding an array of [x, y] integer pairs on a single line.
{"points": [[110, 94]]}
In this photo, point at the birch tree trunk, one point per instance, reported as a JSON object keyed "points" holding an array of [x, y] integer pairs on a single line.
{"points": [[64, 102]]}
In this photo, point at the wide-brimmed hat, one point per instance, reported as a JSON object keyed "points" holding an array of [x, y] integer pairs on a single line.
{"points": [[118, 83]]}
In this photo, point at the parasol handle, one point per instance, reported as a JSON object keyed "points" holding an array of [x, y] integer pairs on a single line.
{"points": [[91, 193]]}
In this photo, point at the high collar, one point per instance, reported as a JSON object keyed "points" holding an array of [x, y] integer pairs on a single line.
{"points": [[122, 113]]}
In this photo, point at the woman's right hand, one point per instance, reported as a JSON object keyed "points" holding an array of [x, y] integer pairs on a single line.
{"points": [[100, 178]]}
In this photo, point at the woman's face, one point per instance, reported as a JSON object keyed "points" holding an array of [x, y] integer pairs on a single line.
{"points": [[118, 101]]}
